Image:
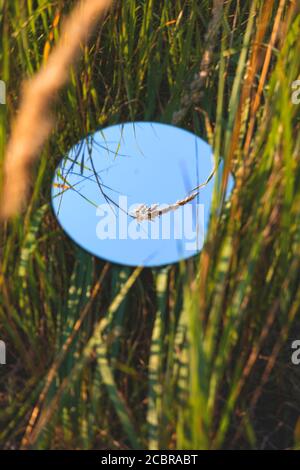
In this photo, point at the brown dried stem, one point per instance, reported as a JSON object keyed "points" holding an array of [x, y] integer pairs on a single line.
{"points": [[33, 123]]}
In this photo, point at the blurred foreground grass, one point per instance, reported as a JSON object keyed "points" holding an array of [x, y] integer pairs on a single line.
{"points": [[194, 356]]}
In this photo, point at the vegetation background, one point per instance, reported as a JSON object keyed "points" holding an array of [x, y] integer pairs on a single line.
{"points": [[194, 356]]}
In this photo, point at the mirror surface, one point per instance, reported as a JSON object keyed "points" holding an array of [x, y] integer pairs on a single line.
{"points": [[127, 194]]}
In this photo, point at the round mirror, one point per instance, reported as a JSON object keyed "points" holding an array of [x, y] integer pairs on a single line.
{"points": [[136, 194]]}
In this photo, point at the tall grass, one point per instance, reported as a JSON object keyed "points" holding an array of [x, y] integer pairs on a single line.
{"points": [[189, 356], [34, 122]]}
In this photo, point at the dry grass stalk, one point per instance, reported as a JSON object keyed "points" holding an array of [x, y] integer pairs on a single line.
{"points": [[144, 212], [264, 73], [33, 123]]}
